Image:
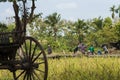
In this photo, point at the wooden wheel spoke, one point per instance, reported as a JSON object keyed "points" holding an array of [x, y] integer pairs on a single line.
{"points": [[41, 62], [21, 53], [37, 57], [30, 76], [40, 70], [25, 76], [30, 49], [19, 56], [36, 75], [26, 49], [20, 74], [33, 54], [33, 77]]}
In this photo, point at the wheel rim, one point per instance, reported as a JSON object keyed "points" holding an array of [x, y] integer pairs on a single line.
{"points": [[33, 61]]}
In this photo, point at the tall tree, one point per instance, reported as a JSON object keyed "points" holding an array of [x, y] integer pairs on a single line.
{"points": [[112, 9], [23, 14], [80, 27], [38, 29], [52, 20], [117, 30], [118, 11], [97, 23]]}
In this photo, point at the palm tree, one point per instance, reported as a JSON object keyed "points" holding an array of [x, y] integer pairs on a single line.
{"points": [[112, 9], [97, 23], [52, 20], [80, 27], [118, 11]]}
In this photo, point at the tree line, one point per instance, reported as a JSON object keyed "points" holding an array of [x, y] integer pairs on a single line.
{"points": [[64, 35]]}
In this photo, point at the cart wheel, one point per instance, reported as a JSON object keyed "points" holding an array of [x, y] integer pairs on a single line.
{"points": [[33, 60]]}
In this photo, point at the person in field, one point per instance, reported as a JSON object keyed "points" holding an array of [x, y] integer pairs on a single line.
{"points": [[99, 52], [83, 48], [91, 49], [49, 49], [105, 49], [77, 48]]}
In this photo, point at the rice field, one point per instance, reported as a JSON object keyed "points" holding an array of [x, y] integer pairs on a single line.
{"points": [[84, 69], [79, 68]]}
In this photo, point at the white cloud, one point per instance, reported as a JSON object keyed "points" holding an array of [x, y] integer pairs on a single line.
{"points": [[70, 5]]}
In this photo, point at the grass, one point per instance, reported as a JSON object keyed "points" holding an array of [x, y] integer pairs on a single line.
{"points": [[79, 69], [84, 69]]}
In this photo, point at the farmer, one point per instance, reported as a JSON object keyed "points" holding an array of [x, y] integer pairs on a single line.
{"points": [[105, 49], [91, 49], [49, 49], [83, 48], [77, 48], [99, 52]]}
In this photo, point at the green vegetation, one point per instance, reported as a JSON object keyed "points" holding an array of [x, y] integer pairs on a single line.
{"points": [[64, 35]]}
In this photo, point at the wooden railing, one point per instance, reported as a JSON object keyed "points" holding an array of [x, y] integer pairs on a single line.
{"points": [[11, 37]]}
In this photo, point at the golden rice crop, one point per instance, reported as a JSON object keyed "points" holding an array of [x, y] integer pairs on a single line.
{"points": [[84, 69], [78, 68]]}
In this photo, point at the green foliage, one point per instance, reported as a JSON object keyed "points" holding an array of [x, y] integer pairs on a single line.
{"points": [[3, 27], [106, 35], [11, 27], [117, 30], [96, 31], [80, 28], [97, 23], [64, 34], [53, 19], [6, 28], [107, 22]]}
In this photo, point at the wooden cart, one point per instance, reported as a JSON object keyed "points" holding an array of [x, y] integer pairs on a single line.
{"points": [[20, 54], [23, 56]]}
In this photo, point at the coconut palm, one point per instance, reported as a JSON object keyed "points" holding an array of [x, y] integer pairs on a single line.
{"points": [[52, 20], [118, 11], [80, 27], [97, 23], [112, 9]]}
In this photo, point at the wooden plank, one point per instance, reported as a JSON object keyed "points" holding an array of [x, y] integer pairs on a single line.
{"points": [[80, 55], [104, 56], [59, 55]]}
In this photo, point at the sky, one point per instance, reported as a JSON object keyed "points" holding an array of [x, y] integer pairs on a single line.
{"points": [[69, 9]]}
